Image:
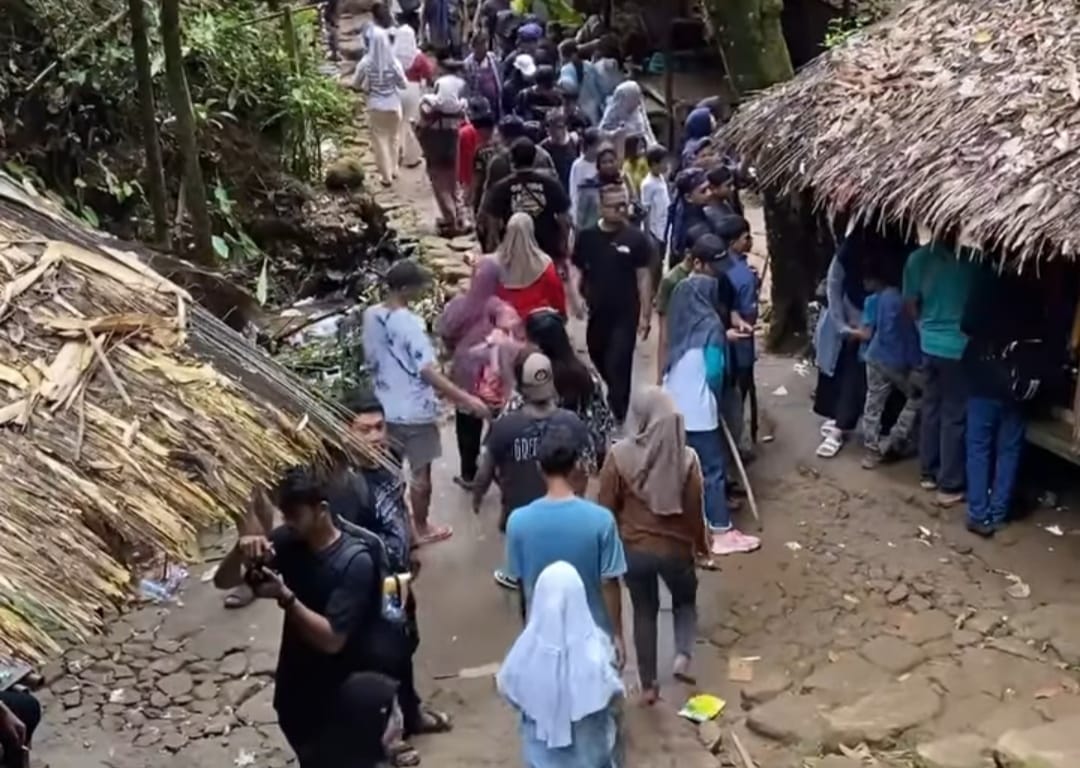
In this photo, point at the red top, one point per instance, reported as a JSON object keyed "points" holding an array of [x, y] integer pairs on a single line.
{"points": [[468, 140], [546, 292], [422, 69]]}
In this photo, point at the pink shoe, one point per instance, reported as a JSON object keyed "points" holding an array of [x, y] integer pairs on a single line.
{"points": [[734, 541]]}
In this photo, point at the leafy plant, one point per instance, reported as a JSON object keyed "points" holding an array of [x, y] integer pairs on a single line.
{"points": [[840, 29]]}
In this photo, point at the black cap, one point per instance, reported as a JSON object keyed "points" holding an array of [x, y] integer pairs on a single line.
{"points": [[407, 273], [708, 248]]}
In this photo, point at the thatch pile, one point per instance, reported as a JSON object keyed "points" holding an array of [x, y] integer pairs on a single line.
{"points": [[944, 114], [129, 419]]}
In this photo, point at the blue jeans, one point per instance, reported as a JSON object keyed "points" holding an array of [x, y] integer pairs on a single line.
{"points": [[941, 441], [995, 437], [710, 450]]}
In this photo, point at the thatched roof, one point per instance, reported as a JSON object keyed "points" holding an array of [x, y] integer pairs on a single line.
{"points": [[129, 419], [944, 114]]}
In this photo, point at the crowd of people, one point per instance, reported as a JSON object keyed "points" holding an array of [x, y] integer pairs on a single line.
{"points": [[541, 143], [916, 351]]}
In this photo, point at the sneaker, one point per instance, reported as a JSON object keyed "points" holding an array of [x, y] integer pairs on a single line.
{"points": [[505, 580], [986, 530], [734, 541], [928, 484], [946, 499]]}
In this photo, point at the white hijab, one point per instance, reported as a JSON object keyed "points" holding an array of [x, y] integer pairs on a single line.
{"points": [[561, 668], [380, 52], [625, 112], [405, 48]]}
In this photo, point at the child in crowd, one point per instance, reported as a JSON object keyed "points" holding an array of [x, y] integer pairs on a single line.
{"points": [[561, 145], [584, 168], [486, 148], [469, 139], [498, 352], [891, 351], [635, 166], [655, 202], [735, 232]]}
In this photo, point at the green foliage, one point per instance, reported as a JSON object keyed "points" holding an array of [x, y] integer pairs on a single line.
{"points": [[239, 73], [842, 28]]}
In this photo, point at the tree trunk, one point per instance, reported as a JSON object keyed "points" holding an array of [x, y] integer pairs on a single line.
{"points": [[155, 170], [752, 41], [800, 246], [180, 97]]}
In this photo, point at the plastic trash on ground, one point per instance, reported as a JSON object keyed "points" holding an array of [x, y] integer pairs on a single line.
{"points": [[702, 707]]}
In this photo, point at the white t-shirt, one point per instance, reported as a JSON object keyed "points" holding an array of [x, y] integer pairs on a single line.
{"points": [[688, 388], [580, 171], [655, 199], [396, 350]]}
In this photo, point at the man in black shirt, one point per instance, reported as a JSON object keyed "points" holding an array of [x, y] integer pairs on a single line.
{"points": [[613, 258], [535, 102], [561, 145], [536, 193], [329, 586]]}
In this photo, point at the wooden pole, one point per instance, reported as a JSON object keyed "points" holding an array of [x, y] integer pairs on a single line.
{"points": [[742, 474]]}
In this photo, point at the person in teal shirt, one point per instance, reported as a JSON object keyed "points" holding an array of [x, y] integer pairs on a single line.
{"points": [[936, 286]]}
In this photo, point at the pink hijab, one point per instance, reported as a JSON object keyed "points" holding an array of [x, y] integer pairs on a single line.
{"points": [[466, 321]]}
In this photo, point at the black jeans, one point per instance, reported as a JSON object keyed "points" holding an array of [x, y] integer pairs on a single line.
{"points": [[610, 340], [644, 570], [28, 710], [470, 432]]}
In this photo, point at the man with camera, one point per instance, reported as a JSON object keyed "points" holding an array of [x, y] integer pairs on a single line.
{"points": [[329, 586]]}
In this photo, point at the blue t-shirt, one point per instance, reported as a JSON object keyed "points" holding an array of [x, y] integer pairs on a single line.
{"points": [[940, 282], [895, 343], [746, 304], [396, 350], [574, 530]]}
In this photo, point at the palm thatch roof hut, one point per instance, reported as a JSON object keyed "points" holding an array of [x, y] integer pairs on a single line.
{"points": [[943, 114], [130, 418]]}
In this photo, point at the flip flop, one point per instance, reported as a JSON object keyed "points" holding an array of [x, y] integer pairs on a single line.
{"points": [[434, 721], [403, 755], [434, 535], [240, 597]]}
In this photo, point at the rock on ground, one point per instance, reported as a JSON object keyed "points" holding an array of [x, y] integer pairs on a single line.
{"points": [[1054, 745], [790, 719], [1058, 625], [844, 680], [966, 750], [879, 717], [892, 654]]}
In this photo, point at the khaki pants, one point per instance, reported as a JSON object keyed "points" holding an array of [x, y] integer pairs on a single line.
{"points": [[411, 153], [384, 140]]}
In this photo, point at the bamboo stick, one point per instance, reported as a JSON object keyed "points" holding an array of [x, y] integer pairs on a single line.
{"points": [[81, 43], [742, 474]]}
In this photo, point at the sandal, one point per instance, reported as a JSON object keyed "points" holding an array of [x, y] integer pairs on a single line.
{"points": [[828, 426], [241, 597], [434, 721], [435, 534], [403, 755], [831, 445]]}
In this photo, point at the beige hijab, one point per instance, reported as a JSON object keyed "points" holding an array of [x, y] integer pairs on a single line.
{"points": [[518, 254], [655, 461]]}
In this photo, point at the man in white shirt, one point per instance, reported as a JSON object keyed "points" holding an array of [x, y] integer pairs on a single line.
{"points": [[584, 168], [656, 200]]}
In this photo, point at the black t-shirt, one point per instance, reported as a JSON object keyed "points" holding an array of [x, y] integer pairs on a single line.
{"points": [[512, 442], [563, 155], [609, 262], [341, 583], [538, 194]]}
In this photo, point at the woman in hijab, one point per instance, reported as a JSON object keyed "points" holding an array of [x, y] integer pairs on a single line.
{"points": [[626, 115], [417, 69], [841, 385], [695, 377], [380, 74], [560, 676], [528, 279], [652, 482], [579, 388], [465, 323], [697, 131]]}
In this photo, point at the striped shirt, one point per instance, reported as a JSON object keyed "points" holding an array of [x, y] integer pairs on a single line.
{"points": [[382, 85]]}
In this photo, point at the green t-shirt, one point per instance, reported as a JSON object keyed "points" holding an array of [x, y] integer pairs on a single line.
{"points": [[940, 283], [676, 275]]}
